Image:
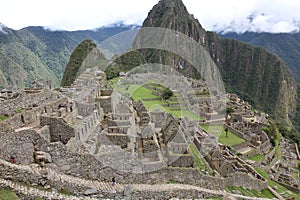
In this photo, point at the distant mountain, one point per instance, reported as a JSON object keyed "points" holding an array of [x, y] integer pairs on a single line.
{"points": [[285, 45], [254, 74], [36, 53]]}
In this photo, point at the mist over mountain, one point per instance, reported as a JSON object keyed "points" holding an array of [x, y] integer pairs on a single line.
{"points": [[258, 22]]}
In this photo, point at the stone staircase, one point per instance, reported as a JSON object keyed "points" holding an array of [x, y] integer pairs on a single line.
{"points": [[99, 186], [54, 177]]}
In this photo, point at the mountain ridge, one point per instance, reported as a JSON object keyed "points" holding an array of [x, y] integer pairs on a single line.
{"points": [[285, 45], [35, 53]]}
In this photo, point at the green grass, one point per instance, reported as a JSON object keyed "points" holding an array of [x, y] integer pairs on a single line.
{"points": [[20, 110], [157, 105], [172, 182], [7, 194], [256, 157], [65, 192], [139, 92], [113, 82], [142, 93], [183, 113], [2, 118], [12, 196], [281, 190], [200, 161], [215, 130], [252, 193], [195, 154]]}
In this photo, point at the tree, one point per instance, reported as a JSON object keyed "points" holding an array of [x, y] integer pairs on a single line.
{"points": [[229, 110], [167, 94]]}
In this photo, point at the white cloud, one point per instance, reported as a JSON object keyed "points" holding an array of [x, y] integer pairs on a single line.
{"points": [[217, 15], [242, 15], [72, 14]]}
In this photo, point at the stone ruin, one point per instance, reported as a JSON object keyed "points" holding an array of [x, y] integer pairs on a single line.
{"points": [[96, 134]]}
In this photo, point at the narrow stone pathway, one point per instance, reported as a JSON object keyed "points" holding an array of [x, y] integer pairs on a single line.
{"points": [[102, 187], [166, 187], [31, 192]]}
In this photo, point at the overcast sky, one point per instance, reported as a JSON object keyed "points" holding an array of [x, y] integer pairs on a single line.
{"points": [[215, 15]]}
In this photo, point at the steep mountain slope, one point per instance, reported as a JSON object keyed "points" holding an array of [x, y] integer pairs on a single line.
{"points": [[34, 53], [285, 45], [256, 75], [18, 64], [80, 59]]}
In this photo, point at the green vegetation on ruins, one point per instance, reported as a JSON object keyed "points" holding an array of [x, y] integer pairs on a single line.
{"points": [[200, 162], [281, 190], [160, 101], [229, 140], [8, 194], [195, 154], [251, 193], [256, 158], [2, 118]]}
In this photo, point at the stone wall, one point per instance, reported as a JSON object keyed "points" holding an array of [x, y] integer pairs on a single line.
{"points": [[268, 157], [158, 118], [88, 125], [53, 106], [121, 117], [45, 133], [118, 122], [106, 92], [251, 153], [9, 107], [32, 176], [19, 173], [179, 192], [31, 115], [105, 103], [234, 131], [11, 123], [185, 160], [59, 129], [71, 163], [119, 139], [86, 166], [35, 175], [21, 145], [21, 119], [85, 109], [266, 146]]}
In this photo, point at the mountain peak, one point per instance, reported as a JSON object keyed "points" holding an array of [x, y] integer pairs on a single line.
{"points": [[172, 14], [172, 3]]}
